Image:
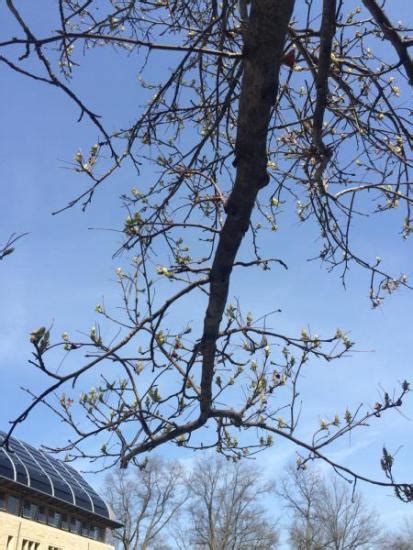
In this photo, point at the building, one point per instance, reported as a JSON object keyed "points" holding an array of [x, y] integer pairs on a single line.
{"points": [[46, 505]]}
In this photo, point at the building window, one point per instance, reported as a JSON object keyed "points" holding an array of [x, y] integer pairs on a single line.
{"points": [[101, 534], [13, 505], [97, 533], [75, 526], [65, 522], [54, 548], [41, 514], [9, 543], [30, 545], [54, 518], [29, 510], [85, 529]]}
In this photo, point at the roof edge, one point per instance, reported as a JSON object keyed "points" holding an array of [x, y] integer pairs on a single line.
{"points": [[24, 489]]}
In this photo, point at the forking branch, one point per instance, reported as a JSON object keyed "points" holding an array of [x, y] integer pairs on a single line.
{"points": [[233, 136]]}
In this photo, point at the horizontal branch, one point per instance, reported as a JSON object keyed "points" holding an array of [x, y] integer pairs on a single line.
{"points": [[60, 37]]}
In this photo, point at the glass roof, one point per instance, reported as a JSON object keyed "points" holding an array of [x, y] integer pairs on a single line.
{"points": [[43, 473]]}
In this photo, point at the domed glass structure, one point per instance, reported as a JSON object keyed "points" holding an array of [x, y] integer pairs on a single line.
{"points": [[36, 486]]}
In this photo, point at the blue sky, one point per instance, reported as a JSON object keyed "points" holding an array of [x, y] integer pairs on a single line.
{"points": [[63, 268]]}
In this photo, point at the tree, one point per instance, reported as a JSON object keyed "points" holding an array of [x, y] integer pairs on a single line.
{"points": [[225, 508], [399, 540], [331, 136], [145, 500], [217, 505], [326, 513]]}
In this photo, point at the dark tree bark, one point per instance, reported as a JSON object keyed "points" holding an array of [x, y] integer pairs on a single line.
{"points": [[264, 38]]}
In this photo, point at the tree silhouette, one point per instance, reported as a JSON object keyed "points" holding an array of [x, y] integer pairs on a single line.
{"points": [[237, 129]]}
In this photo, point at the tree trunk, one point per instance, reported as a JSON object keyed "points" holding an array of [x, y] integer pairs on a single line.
{"points": [[264, 36]]}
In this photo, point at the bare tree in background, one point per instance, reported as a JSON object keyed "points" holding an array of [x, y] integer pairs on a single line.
{"points": [[399, 540], [226, 508], [145, 500], [326, 513], [268, 106]]}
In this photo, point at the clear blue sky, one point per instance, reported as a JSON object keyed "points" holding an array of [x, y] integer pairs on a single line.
{"points": [[62, 269]]}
